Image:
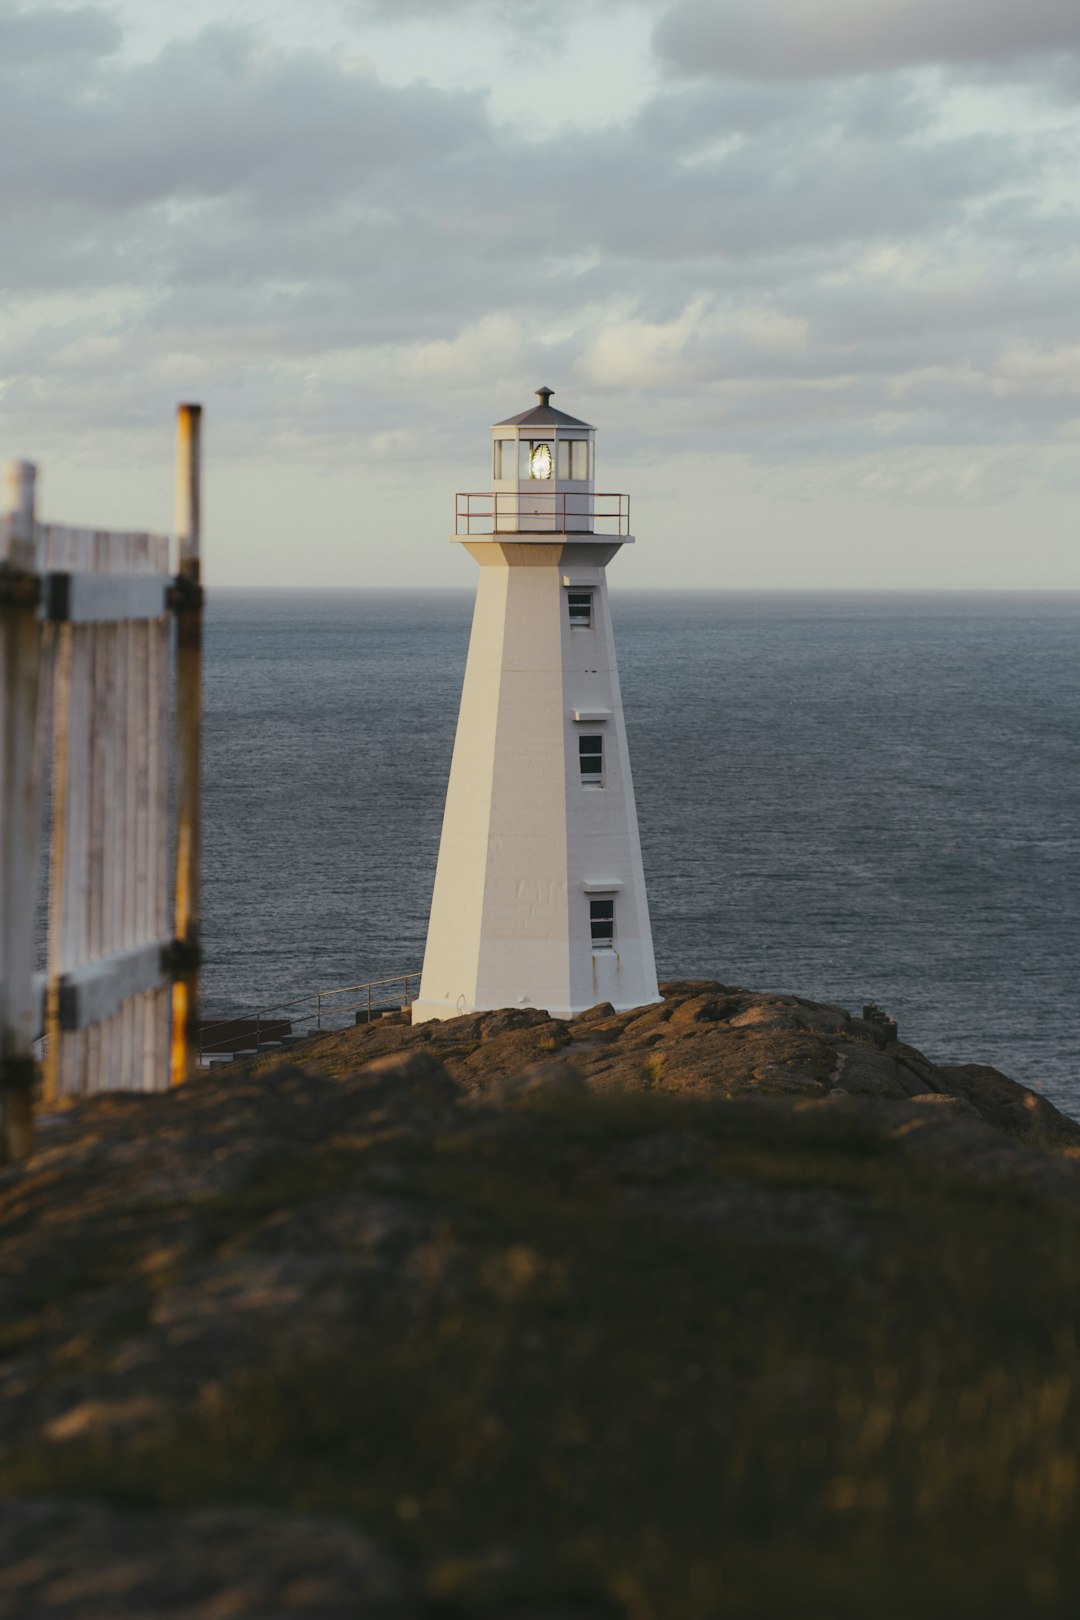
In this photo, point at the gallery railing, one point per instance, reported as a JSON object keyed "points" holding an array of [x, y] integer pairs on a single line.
{"points": [[559, 511]]}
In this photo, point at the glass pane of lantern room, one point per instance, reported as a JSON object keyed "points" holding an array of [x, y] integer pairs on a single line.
{"points": [[579, 459], [564, 460], [541, 459]]}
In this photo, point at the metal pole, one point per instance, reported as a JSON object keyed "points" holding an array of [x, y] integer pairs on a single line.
{"points": [[20, 778], [188, 607]]}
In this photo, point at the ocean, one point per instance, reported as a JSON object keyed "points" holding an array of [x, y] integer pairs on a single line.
{"points": [[855, 797]]}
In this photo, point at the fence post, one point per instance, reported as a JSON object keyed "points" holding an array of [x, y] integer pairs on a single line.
{"points": [[185, 1021], [20, 778], [63, 827]]}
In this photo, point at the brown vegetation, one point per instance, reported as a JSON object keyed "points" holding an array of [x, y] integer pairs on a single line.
{"points": [[730, 1307]]}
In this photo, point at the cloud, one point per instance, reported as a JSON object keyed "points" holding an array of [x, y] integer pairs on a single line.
{"points": [[49, 34], [790, 39], [706, 341], [222, 164], [218, 116], [513, 13], [400, 10], [347, 268]]}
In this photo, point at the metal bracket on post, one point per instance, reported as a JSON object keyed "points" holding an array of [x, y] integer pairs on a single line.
{"points": [[185, 596], [19, 589], [180, 957]]}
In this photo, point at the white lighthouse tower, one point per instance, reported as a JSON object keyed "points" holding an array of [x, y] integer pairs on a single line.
{"points": [[539, 892]]}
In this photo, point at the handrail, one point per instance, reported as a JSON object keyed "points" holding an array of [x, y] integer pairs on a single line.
{"points": [[559, 511], [315, 1001]]}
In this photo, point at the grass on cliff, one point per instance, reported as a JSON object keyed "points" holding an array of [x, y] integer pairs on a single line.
{"points": [[674, 1361]]}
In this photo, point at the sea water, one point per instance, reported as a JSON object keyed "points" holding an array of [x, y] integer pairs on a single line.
{"points": [[853, 797]]}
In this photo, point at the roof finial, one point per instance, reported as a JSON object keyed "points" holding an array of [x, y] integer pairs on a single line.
{"points": [[544, 394]]}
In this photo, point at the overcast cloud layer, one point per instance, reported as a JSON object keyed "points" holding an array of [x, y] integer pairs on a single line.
{"points": [[819, 264], [790, 39]]}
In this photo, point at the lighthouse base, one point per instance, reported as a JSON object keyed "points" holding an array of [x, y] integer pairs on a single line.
{"points": [[426, 1012]]}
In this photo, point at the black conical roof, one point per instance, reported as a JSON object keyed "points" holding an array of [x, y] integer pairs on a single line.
{"points": [[544, 415]]}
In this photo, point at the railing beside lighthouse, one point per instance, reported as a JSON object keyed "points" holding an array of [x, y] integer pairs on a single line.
{"points": [[561, 511]]}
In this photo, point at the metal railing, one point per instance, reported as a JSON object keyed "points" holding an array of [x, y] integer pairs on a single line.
{"points": [[322, 1010], [557, 511]]}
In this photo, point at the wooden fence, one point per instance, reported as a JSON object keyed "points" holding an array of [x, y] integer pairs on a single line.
{"points": [[86, 656]]}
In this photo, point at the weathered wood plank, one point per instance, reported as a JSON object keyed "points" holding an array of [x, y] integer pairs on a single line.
{"points": [[97, 991], [98, 597], [20, 809], [110, 736], [58, 537]]}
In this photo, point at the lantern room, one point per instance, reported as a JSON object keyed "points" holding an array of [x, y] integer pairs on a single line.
{"points": [[543, 482], [542, 471]]}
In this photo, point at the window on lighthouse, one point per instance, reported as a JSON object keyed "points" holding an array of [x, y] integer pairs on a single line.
{"points": [[602, 918], [591, 759], [580, 603], [573, 460]]}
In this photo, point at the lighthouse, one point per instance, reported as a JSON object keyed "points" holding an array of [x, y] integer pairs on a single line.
{"points": [[539, 896]]}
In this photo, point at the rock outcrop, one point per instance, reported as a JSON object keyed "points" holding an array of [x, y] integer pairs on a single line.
{"points": [[460, 1319], [707, 1040]]}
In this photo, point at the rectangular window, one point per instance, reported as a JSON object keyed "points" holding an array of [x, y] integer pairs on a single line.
{"points": [[504, 458], [580, 609], [591, 759], [602, 918], [573, 459]]}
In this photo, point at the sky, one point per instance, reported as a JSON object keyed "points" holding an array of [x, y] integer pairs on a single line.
{"points": [[811, 267]]}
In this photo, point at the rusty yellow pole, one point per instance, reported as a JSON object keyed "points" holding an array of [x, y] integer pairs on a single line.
{"points": [[187, 601]]}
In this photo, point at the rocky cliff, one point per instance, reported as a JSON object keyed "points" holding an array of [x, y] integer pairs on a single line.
{"points": [[732, 1306]]}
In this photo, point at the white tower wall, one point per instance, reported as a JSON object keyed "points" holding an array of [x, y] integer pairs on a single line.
{"points": [[526, 844], [604, 849]]}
